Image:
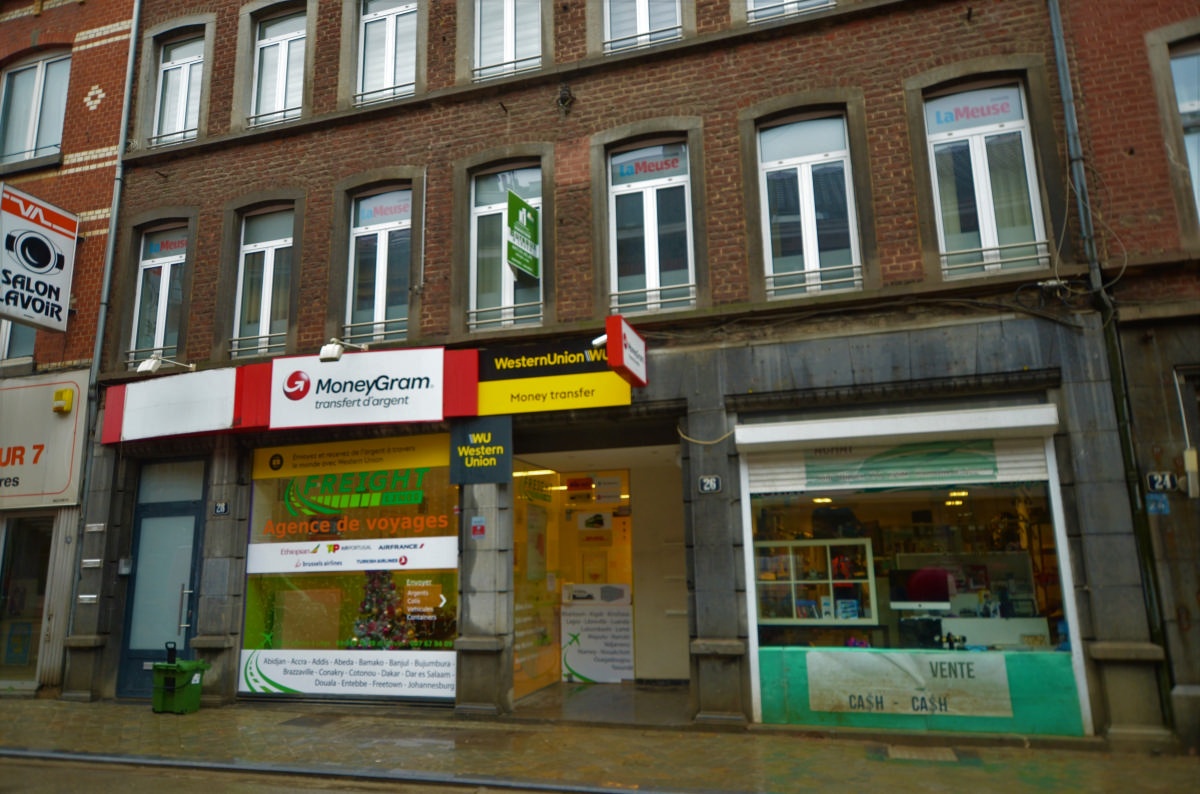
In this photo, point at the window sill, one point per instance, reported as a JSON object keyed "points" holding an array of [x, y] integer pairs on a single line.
{"points": [[31, 164]]}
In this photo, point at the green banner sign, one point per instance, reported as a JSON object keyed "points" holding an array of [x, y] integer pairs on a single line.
{"points": [[523, 252]]}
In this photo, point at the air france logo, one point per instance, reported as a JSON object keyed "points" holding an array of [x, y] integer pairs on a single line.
{"points": [[297, 385]]}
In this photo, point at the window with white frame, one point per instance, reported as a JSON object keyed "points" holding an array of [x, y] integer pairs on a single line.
{"points": [[760, 10], [16, 340], [180, 74], [380, 258], [810, 235], [1185, 73], [279, 69], [508, 36], [650, 229], [989, 214], [263, 300], [638, 23], [33, 103], [387, 37], [503, 293], [158, 304]]}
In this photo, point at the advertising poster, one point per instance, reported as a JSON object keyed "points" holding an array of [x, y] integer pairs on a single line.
{"points": [[352, 570]]}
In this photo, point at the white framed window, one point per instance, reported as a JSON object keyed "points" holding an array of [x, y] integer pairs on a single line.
{"points": [[33, 103], [639, 23], [989, 215], [387, 64], [158, 304], [760, 10], [810, 230], [180, 75], [508, 36], [1185, 73], [16, 340], [278, 69], [263, 299], [650, 229], [501, 294], [380, 261]]}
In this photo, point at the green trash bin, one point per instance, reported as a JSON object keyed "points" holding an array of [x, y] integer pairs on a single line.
{"points": [[177, 686]]}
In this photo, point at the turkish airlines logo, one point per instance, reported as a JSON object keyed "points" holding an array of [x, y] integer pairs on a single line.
{"points": [[297, 385]]}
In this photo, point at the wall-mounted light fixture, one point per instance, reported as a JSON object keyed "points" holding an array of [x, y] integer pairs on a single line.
{"points": [[333, 351], [156, 361]]}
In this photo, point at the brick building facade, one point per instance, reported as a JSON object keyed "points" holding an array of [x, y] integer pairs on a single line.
{"points": [[846, 232]]}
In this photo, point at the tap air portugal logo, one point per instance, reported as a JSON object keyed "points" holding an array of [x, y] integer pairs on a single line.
{"points": [[297, 385]]}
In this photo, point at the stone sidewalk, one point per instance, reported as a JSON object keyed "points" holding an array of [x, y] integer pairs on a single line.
{"points": [[432, 745]]}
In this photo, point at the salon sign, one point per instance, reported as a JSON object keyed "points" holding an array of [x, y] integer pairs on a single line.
{"points": [[38, 260]]}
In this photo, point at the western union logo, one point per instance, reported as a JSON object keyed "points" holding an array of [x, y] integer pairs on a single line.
{"points": [[558, 359]]}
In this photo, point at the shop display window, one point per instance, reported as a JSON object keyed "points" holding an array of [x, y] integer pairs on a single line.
{"points": [[970, 567]]}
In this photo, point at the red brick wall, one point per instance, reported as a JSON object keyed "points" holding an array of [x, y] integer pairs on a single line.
{"points": [[79, 186]]}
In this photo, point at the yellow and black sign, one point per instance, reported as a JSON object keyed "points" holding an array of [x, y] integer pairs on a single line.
{"points": [[559, 376]]}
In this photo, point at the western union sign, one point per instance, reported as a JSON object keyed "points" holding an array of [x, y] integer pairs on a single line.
{"points": [[560, 376]]}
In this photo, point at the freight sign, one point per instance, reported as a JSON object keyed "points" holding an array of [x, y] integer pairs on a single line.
{"points": [[352, 570], [560, 376], [38, 260]]}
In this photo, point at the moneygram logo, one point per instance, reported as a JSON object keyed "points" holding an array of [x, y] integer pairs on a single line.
{"points": [[297, 385]]}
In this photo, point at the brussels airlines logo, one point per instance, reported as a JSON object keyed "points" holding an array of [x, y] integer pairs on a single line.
{"points": [[297, 385]]}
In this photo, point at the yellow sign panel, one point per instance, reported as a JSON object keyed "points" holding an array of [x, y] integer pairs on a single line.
{"points": [[553, 393], [341, 456]]}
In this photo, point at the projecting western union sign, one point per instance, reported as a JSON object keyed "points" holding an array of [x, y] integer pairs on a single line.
{"points": [[548, 377]]}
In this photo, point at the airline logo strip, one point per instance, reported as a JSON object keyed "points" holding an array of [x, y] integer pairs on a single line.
{"points": [[38, 260], [326, 556], [360, 388], [559, 376]]}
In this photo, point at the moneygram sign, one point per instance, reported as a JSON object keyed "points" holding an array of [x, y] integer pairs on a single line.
{"points": [[359, 389], [38, 260]]}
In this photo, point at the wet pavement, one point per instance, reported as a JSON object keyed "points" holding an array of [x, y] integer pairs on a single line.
{"points": [[435, 747]]}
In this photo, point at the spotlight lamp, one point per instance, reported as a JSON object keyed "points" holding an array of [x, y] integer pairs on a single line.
{"points": [[333, 351], [156, 361]]}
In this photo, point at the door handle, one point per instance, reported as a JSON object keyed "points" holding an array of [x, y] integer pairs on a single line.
{"points": [[183, 594]]}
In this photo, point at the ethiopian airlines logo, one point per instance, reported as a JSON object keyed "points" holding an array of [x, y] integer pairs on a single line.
{"points": [[297, 385]]}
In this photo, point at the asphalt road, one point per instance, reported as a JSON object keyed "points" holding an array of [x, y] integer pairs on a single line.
{"points": [[20, 776]]}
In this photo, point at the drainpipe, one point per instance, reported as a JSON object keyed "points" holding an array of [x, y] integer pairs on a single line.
{"points": [[1117, 378], [93, 396]]}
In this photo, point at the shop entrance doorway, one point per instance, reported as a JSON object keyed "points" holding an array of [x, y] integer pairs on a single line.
{"points": [[25, 548], [600, 588], [164, 576]]}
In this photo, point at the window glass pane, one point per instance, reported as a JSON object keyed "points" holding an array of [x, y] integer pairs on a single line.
{"points": [[146, 324], [362, 299], [183, 50], [20, 340], [374, 54], [785, 225], [192, 114], [281, 26], [653, 162], [295, 74], [1191, 144], [528, 29], [281, 292], [672, 235], [268, 226], [168, 101], [398, 259], [54, 106], [833, 216], [268, 78], [1185, 71], [1010, 189], [165, 243], [493, 188], [973, 109], [488, 261], [956, 191], [802, 139], [17, 112], [406, 50], [631, 242], [174, 307], [664, 18], [490, 34], [391, 207], [252, 283], [622, 20]]}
